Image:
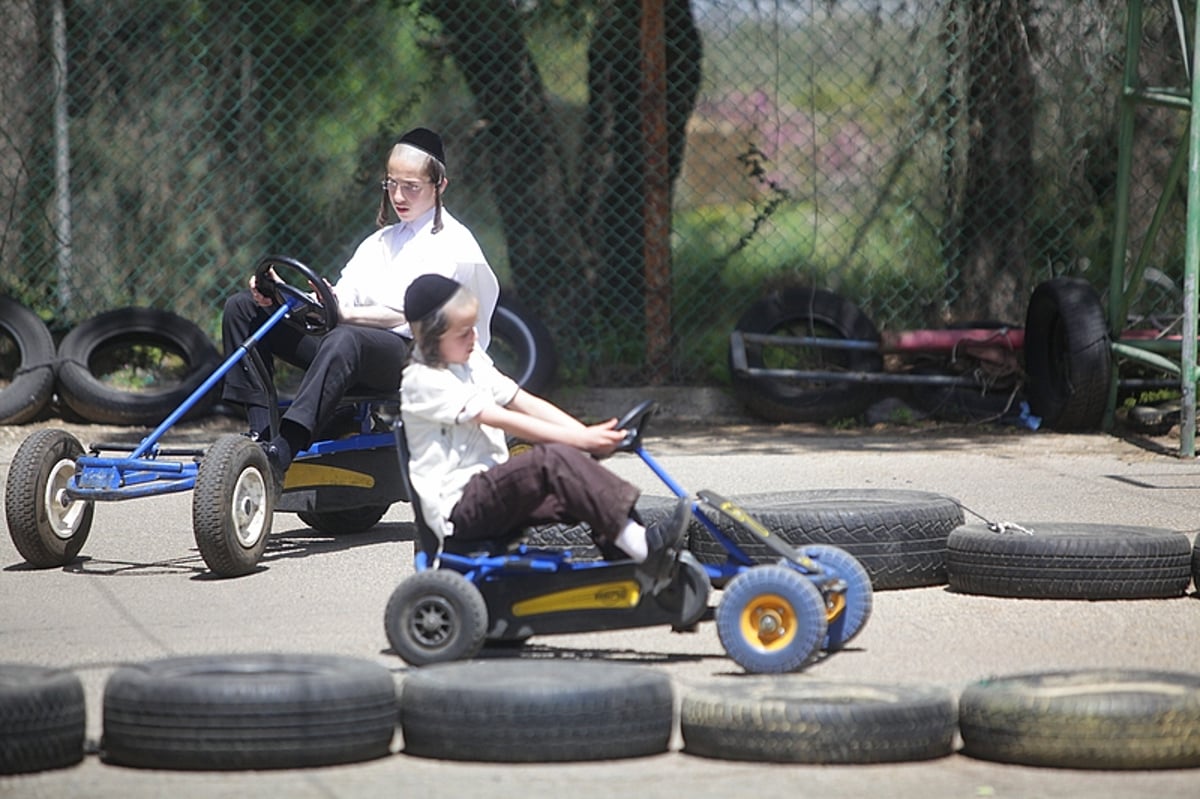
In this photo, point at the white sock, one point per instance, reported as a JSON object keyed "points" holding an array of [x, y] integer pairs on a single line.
{"points": [[632, 541]]}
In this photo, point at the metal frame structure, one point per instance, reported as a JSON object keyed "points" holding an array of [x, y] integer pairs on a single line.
{"points": [[1124, 284]]}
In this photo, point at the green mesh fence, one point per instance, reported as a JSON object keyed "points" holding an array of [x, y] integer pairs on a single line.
{"points": [[929, 160]]}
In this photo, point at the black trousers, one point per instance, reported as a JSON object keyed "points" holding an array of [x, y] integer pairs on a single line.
{"points": [[349, 356], [550, 483]]}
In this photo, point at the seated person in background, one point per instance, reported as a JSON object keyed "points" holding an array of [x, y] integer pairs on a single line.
{"points": [[457, 407], [370, 345]]}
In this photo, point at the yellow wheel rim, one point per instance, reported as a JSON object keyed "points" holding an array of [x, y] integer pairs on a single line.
{"points": [[835, 606], [769, 622]]}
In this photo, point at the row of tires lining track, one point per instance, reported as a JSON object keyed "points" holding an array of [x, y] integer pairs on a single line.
{"points": [[911, 539], [271, 711]]}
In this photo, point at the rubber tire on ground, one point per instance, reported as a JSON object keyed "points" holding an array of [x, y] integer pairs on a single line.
{"points": [[578, 537], [42, 718], [435, 616], [248, 711], [536, 711], [522, 346], [1070, 561], [1067, 355], [232, 505], [1088, 719], [46, 533], [102, 403], [1196, 564], [787, 721], [795, 608], [801, 311], [26, 392], [348, 521], [859, 596], [898, 536]]}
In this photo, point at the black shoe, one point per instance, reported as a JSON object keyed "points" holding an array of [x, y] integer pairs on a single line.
{"points": [[663, 540], [279, 466]]}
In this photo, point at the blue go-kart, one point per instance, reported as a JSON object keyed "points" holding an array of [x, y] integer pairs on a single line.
{"points": [[771, 618], [343, 483]]}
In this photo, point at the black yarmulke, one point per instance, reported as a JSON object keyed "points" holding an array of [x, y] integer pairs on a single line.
{"points": [[426, 140], [426, 294]]}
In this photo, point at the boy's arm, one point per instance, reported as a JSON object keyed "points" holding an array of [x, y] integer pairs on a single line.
{"points": [[540, 421]]}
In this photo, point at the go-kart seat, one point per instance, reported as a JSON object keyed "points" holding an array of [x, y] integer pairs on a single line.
{"points": [[426, 540]]}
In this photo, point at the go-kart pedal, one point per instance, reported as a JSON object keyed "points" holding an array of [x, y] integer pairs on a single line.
{"points": [[663, 539]]}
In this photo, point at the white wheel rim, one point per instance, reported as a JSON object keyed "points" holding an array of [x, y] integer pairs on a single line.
{"points": [[248, 511], [63, 514]]}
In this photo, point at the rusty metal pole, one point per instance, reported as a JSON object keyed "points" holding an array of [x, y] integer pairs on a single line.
{"points": [[657, 211]]}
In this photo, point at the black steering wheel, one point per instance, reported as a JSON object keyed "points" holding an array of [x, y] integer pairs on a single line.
{"points": [[314, 313], [633, 422]]}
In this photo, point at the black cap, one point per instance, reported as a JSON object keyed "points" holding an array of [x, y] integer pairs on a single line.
{"points": [[426, 294], [425, 140]]}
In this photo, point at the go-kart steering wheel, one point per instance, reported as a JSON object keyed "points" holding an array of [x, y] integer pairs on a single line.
{"points": [[314, 316], [633, 422]]}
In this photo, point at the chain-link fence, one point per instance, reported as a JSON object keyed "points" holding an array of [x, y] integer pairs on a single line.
{"points": [[930, 160]]}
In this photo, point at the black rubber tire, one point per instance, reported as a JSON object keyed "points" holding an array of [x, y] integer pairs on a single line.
{"points": [[248, 711], [1070, 561], [789, 721], [898, 536], [1089, 719], [27, 363], [815, 313], [435, 616], [536, 711], [522, 346], [100, 402], [578, 537], [1196, 564], [45, 532], [1067, 355], [42, 718], [344, 522], [232, 505]]}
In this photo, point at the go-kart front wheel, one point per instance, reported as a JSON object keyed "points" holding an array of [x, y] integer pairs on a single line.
{"points": [[46, 528], [436, 616], [847, 610], [232, 506], [771, 620]]}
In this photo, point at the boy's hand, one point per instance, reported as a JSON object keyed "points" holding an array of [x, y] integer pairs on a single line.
{"points": [[601, 439]]}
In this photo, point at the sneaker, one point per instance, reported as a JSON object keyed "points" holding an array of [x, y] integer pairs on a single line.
{"points": [[663, 539]]}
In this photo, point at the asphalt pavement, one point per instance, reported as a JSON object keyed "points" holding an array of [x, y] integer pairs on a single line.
{"points": [[140, 591]]}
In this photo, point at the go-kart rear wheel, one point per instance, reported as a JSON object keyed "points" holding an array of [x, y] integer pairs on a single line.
{"points": [[436, 616], [347, 521], [46, 528], [846, 612], [771, 620], [232, 506]]}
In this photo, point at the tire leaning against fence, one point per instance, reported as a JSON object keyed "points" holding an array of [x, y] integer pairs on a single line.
{"points": [[25, 390], [522, 346], [42, 718], [84, 347], [536, 711], [789, 721], [810, 313], [248, 711], [1090, 719], [1067, 560], [1067, 355], [898, 536]]}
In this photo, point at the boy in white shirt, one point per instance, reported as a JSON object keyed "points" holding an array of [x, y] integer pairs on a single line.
{"points": [[457, 407]]}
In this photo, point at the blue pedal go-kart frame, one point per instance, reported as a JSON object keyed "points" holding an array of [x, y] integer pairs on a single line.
{"points": [[771, 618], [343, 482]]}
